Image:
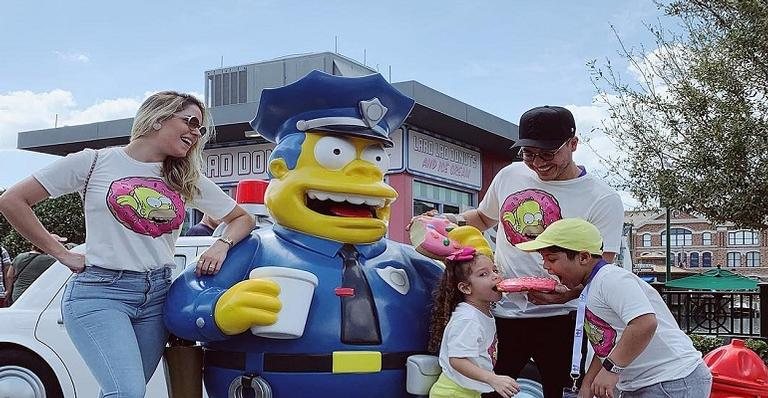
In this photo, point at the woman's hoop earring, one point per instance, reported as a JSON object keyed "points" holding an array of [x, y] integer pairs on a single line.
{"points": [[157, 126]]}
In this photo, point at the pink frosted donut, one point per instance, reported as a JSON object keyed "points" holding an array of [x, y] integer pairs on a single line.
{"points": [[550, 211], [527, 283], [136, 201], [600, 334], [430, 237]]}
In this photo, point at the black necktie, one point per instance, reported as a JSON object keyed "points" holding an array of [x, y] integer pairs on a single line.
{"points": [[359, 320]]}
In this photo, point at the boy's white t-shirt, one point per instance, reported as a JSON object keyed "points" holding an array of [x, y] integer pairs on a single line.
{"points": [[524, 205], [617, 296], [132, 217], [469, 334]]}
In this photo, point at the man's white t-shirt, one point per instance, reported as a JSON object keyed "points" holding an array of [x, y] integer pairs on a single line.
{"points": [[617, 296], [132, 217], [469, 334], [524, 206]]}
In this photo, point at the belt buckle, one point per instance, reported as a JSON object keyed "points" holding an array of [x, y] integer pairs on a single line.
{"points": [[356, 362]]}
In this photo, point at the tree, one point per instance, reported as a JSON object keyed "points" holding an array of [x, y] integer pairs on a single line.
{"points": [[62, 216], [694, 124]]}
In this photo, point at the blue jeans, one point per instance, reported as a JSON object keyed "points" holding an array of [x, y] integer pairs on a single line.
{"points": [[115, 320], [696, 385]]}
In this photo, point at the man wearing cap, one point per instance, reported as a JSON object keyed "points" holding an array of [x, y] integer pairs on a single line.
{"points": [[640, 350], [26, 268], [524, 199], [370, 309]]}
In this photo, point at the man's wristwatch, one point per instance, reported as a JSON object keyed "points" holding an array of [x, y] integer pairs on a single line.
{"points": [[612, 367], [226, 240]]}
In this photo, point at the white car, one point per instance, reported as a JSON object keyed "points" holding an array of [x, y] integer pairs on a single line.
{"points": [[37, 358]]}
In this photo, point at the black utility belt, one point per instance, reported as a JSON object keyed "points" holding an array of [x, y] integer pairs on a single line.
{"points": [[336, 362]]}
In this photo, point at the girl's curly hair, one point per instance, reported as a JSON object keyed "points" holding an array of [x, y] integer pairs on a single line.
{"points": [[446, 297]]}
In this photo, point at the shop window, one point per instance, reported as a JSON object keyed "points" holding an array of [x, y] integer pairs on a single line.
{"points": [[646, 240], [706, 259], [733, 259], [694, 259], [753, 259], [443, 199], [706, 238], [421, 207]]}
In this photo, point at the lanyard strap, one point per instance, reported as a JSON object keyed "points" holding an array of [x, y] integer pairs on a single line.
{"points": [[578, 333]]}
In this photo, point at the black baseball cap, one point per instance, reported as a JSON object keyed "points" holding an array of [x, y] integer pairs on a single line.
{"points": [[546, 127]]}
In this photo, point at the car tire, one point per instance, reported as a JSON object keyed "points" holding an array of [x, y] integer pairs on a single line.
{"points": [[24, 374]]}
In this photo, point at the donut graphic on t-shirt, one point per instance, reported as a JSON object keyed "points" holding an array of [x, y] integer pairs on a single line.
{"points": [[600, 334], [145, 205], [525, 214]]}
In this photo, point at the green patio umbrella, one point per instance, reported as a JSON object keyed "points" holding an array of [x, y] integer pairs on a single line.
{"points": [[714, 279]]}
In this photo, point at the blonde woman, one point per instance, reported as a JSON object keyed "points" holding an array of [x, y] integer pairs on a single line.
{"points": [[134, 208]]}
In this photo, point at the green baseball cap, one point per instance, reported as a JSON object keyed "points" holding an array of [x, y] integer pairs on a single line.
{"points": [[569, 233]]}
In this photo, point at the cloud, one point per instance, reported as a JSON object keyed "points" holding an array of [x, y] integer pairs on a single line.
{"points": [[595, 147], [119, 108], [27, 110], [72, 57]]}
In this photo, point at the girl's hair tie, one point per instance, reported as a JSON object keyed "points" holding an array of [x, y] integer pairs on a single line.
{"points": [[465, 254]]}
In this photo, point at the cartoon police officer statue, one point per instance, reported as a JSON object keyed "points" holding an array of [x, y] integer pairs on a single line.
{"points": [[331, 206]]}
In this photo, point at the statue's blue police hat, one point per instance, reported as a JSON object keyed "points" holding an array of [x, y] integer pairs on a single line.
{"points": [[365, 106]]}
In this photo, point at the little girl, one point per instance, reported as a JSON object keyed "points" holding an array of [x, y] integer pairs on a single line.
{"points": [[467, 341]]}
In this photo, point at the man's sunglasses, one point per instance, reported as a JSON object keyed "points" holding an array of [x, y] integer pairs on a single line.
{"points": [[193, 122], [546, 156]]}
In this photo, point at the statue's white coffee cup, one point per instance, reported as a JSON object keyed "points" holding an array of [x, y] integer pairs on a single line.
{"points": [[296, 290]]}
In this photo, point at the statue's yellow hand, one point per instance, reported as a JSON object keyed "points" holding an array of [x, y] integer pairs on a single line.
{"points": [[252, 302]]}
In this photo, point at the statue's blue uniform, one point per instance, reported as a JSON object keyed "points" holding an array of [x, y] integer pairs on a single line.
{"points": [[303, 367]]}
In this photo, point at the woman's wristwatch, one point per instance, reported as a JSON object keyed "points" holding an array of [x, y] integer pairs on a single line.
{"points": [[612, 367], [227, 241]]}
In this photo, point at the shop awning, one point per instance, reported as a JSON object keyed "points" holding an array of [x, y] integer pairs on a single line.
{"points": [[715, 279]]}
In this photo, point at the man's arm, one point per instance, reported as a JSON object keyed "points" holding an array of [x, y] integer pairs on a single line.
{"points": [[478, 220], [10, 277]]}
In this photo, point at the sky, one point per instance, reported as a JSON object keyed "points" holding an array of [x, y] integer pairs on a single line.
{"points": [[86, 61]]}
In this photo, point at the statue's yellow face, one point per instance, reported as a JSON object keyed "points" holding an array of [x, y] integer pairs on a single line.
{"points": [[336, 191]]}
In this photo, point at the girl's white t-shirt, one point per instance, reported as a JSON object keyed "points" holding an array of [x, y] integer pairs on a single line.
{"points": [[469, 334], [132, 217]]}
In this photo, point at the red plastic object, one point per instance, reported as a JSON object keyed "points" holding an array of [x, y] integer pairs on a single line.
{"points": [[737, 372], [250, 191], [526, 283], [344, 291]]}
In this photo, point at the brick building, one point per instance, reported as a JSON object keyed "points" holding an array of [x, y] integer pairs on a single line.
{"points": [[696, 243]]}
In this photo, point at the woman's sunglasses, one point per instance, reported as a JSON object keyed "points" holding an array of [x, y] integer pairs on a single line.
{"points": [[193, 122]]}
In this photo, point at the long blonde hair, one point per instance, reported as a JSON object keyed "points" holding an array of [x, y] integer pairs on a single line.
{"points": [[181, 174]]}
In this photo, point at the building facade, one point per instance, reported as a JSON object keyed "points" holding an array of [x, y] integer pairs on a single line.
{"points": [[696, 243], [444, 156]]}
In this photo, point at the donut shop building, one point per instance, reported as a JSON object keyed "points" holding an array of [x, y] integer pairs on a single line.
{"points": [[444, 157]]}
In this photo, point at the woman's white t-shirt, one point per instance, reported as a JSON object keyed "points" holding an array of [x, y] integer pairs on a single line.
{"points": [[132, 217]]}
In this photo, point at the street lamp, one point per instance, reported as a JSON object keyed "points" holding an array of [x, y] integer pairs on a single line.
{"points": [[668, 275]]}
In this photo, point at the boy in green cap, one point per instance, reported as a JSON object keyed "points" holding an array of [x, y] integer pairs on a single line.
{"points": [[640, 350]]}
